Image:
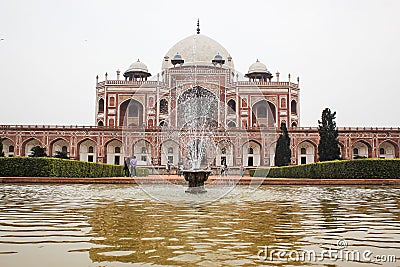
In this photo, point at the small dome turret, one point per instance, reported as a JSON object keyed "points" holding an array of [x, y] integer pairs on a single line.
{"points": [[258, 71], [137, 71], [218, 59], [177, 59]]}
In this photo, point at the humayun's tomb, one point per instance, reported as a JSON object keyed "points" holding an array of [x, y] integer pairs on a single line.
{"points": [[134, 109]]}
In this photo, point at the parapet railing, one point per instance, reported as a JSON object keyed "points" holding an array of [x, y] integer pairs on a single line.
{"points": [[255, 128]]}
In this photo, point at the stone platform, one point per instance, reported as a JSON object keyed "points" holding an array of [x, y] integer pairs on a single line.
{"points": [[153, 179]]}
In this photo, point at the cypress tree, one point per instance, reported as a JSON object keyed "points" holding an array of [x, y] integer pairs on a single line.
{"points": [[283, 153], [328, 147]]}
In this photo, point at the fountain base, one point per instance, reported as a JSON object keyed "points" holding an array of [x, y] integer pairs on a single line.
{"points": [[196, 179]]}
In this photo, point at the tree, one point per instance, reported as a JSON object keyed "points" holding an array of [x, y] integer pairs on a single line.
{"points": [[1, 148], [282, 151], [328, 147], [61, 155], [38, 151]]}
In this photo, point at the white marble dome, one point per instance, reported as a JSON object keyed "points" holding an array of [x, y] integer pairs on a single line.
{"points": [[257, 67], [137, 67], [198, 50]]}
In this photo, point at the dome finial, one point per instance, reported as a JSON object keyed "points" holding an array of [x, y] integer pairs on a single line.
{"points": [[198, 26]]}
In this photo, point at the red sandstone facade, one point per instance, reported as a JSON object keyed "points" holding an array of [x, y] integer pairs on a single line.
{"points": [[132, 113]]}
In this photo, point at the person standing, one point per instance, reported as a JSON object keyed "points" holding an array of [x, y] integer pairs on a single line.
{"points": [[168, 167], [241, 170], [126, 167], [133, 166]]}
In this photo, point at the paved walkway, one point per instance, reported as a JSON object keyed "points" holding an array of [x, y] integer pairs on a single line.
{"points": [[212, 179]]}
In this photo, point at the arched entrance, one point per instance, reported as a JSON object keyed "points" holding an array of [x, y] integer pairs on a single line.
{"points": [[361, 149], [264, 114], [131, 113], [115, 154], [306, 152], [142, 151], [87, 150], [251, 154], [170, 151], [29, 144]]}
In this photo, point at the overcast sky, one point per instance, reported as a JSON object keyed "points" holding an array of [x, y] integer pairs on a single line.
{"points": [[346, 52]]}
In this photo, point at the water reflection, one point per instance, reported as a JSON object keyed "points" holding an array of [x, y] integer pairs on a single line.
{"points": [[98, 225]]}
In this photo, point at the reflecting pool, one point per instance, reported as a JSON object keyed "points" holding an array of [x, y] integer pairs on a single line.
{"points": [[121, 225]]}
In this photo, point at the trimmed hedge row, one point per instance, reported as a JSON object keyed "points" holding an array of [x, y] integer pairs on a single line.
{"points": [[361, 168], [52, 167]]}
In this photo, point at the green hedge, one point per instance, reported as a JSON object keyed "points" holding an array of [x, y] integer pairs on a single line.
{"points": [[361, 168], [140, 172], [52, 167]]}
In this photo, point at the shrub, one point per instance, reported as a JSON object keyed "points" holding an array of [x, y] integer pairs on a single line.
{"points": [[141, 172], [361, 168], [52, 167]]}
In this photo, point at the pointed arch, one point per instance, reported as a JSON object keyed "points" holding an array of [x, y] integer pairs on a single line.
{"points": [[131, 113], [361, 149], [8, 147], [142, 149], [252, 153], [225, 153], [87, 150], [264, 114], [389, 148], [28, 144], [170, 151], [306, 152], [58, 144], [114, 151]]}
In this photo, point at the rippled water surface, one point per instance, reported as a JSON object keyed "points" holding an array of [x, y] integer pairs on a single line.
{"points": [[120, 225]]}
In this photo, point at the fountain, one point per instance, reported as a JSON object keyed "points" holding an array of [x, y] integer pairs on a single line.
{"points": [[196, 179]]}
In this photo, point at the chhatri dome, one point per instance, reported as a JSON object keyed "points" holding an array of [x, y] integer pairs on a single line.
{"points": [[258, 71], [197, 50], [137, 71]]}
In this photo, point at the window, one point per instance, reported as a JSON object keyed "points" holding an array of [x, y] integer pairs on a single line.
{"points": [[144, 150], [262, 111], [90, 149], [231, 106], [112, 101], [90, 158], [223, 160], [143, 158], [382, 151], [231, 124], [101, 105], [293, 107], [11, 149], [171, 159], [303, 151], [64, 149], [170, 150], [117, 150], [223, 150], [163, 106], [294, 124], [250, 151], [283, 102], [100, 123], [133, 111], [355, 151]]}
